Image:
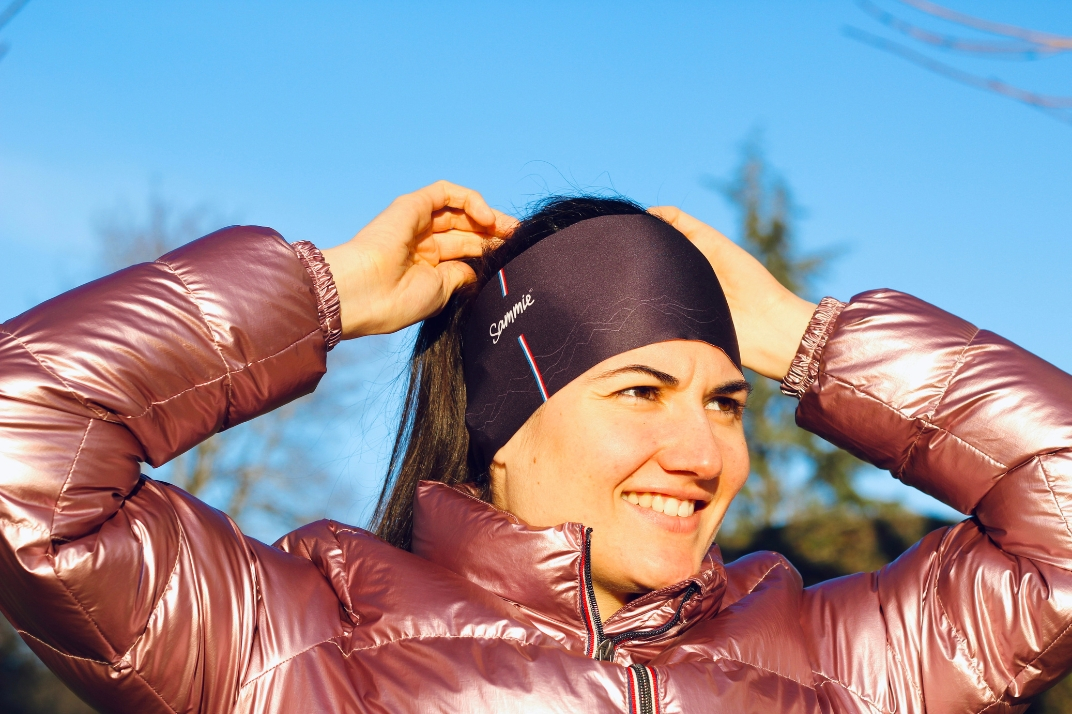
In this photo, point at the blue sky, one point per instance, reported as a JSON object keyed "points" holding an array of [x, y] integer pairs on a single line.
{"points": [[310, 117]]}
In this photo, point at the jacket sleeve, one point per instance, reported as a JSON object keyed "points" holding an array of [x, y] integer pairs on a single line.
{"points": [[141, 597], [974, 617]]}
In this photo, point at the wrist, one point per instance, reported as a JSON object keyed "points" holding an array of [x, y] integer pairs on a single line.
{"points": [[797, 316], [343, 263], [786, 321]]}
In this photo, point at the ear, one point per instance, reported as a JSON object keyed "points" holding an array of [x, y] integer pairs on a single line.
{"points": [[513, 452], [497, 477]]}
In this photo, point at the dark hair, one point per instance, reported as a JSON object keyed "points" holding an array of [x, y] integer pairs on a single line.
{"points": [[432, 442]]}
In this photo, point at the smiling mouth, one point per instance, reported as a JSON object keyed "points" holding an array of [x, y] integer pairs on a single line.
{"points": [[660, 503]]}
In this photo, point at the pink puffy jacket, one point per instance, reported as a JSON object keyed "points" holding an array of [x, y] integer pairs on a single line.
{"points": [[145, 600]]}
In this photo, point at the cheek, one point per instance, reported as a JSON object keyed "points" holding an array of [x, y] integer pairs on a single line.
{"points": [[735, 465], [587, 456], [609, 448], [571, 464]]}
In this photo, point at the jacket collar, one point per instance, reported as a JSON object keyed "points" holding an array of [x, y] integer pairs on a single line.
{"points": [[541, 570]]}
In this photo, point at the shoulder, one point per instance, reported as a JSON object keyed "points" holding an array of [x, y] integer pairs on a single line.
{"points": [[399, 595], [761, 570]]}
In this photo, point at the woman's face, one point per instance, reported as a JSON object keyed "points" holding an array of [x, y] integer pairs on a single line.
{"points": [[647, 448]]}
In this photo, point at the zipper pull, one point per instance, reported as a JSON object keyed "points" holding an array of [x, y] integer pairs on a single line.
{"points": [[605, 651]]}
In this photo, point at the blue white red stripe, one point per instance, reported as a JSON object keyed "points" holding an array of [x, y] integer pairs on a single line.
{"points": [[532, 363], [640, 691], [634, 692], [502, 284]]}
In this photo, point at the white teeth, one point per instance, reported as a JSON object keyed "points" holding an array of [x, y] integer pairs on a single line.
{"points": [[662, 504]]}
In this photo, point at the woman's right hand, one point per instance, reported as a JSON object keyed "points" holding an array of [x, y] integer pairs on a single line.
{"points": [[404, 265]]}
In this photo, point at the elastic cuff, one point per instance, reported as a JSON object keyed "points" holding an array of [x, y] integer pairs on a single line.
{"points": [[328, 309], [805, 366]]}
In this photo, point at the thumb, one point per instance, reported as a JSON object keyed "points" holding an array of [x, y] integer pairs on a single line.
{"points": [[454, 274]]}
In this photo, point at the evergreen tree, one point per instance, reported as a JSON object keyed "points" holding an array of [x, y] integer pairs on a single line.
{"points": [[823, 524], [778, 446]]}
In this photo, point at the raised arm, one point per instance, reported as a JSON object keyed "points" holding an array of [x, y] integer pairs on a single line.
{"points": [[119, 582], [138, 595], [976, 616]]}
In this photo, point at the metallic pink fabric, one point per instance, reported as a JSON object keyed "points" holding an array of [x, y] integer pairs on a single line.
{"points": [[328, 308], [146, 600], [805, 365]]}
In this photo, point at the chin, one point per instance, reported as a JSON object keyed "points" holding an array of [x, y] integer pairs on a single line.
{"points": [[660, 570]]}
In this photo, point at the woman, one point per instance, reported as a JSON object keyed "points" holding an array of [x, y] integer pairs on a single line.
{"points": [[586, 371]]}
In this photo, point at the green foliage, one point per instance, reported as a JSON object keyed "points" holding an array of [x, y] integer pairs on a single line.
{"points": [[837, 541], [1056, 701]]}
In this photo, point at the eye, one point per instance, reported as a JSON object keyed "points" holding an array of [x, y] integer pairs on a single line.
{"points": [[647, 394], [726, 405]]}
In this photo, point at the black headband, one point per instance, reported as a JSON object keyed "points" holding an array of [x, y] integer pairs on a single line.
{"points": [[598, 288]]}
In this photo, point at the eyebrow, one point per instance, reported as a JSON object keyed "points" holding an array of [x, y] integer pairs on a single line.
{"points": [[727, 388], [667, 379], [722, 390]]}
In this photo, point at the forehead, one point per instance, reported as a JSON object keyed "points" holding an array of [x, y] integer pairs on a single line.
{"points": [[683, 359]]}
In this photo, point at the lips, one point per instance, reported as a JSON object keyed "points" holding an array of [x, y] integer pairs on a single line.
{"points": [[659, 503]]}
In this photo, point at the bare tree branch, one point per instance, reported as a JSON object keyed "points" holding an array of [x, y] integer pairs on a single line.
{"points": [[1024, 44], [994, 28], [1058, 107], [1016, 50], [5, 17], [10, 11]]}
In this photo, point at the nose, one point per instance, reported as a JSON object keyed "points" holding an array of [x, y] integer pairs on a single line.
{"points": [[690, 446]]}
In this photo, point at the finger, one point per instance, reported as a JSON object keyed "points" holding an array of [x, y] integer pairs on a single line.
{"points": [[447, 219], [415, 210], [504, 224], [454, 274], [444, 193], [455, 244]]}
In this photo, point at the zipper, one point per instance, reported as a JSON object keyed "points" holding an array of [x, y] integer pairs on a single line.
{"points": [[643, 690], [600, 646], [643, 687], [589, 608]]}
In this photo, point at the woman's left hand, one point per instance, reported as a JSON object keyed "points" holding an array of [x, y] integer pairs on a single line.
{"points": [[769, 319], [404, 265]]}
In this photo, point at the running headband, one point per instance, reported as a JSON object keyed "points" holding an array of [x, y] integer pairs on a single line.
{"points": [[598, 288]]}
